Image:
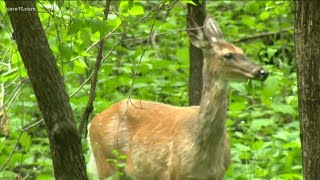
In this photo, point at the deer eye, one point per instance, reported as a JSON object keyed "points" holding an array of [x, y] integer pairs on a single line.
{"points": [[229, 56]]}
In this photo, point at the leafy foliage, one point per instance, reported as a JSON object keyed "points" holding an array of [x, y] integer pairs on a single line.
{"points": [[263, 117]]}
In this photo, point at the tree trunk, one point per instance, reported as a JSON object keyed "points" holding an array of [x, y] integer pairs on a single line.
{"points": [[307, 41], [198, 13], [65, 142]]}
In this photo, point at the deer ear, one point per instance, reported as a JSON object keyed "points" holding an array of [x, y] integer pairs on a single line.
{"points": [[212, 30], [195, 33]]}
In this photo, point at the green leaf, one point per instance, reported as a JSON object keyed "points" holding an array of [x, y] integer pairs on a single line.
{"points": [[4, 175], [123, 157], [120, 174], [136, 10], [265, 15], [271, 85], [283, 108], [271, 51], [76, 26], [111, 160], [179, 83], [130, 4], [248, 20], [124, 7], [9, 75], [44, 177], [25, 140], [60, 3], [80, 64], [66, 52], [160, 64], [115, 152], [288, 136], [270, 5], [183, 54], [121, 165], [145, 68], [257, 145], [261, 172], [257, 124], [114, 23], [239, 87], [84, 53], [237, 106], [291, 145], [259, 113], [98, 25], [189, 2], [242, 147], [79, 67], [140, 85]]}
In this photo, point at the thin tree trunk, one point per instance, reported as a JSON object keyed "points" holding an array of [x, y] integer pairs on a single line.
{"points": [[307, 41], [65, 143], [198, 13]]}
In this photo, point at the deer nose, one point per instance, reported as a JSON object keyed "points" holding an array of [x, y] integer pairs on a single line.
{"points": [[263, 74]]}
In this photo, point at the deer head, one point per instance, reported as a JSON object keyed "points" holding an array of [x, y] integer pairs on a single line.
{"points": [[222, 59]]}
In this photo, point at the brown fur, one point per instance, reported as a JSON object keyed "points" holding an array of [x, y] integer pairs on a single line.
{"points": [[157, 139]]}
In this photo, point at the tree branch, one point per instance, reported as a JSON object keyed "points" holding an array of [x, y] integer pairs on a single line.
{"points": [[17, 142], [89, 107], [258, 36]]}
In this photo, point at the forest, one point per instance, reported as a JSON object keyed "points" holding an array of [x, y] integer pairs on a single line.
{"points": [[145, 55]]}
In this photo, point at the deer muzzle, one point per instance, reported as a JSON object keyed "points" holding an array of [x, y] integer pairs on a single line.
{"points": [[262, 74]]}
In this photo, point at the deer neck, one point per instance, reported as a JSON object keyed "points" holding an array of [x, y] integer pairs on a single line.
{"points": [[210, 126]]}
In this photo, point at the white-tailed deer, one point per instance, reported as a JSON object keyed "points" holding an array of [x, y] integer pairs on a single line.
{"points": [[166, 142]]}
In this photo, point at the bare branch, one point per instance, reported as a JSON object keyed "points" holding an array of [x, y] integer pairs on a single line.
{"points": [[17, 142], [89, 107], [257, 36], [137, 69]]}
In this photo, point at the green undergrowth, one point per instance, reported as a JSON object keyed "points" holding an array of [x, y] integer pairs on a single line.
{"points": [[263, 122]]}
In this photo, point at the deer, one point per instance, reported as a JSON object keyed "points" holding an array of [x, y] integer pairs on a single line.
{"points": [[166, 142]]}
